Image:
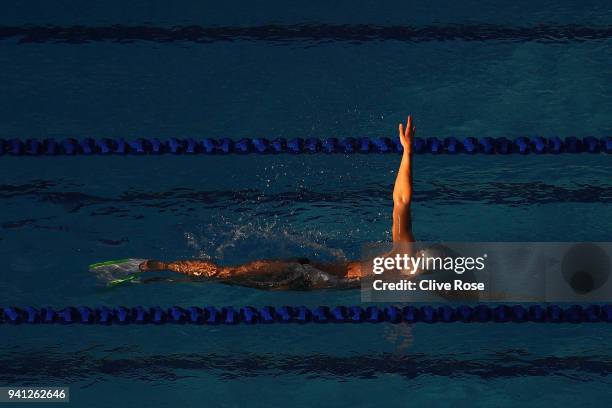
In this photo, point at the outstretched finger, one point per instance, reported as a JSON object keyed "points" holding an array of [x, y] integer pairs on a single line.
{"points": [[401, 130]]}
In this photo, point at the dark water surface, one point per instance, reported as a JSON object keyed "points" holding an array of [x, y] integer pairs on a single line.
{"points": [[294, 69]]}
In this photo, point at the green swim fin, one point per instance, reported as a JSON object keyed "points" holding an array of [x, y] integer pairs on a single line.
{"points": [[125, 264], [127, 279], [117, 271]]}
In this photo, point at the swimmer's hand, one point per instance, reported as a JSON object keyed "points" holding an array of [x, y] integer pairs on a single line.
{"points": [[406, 135]]}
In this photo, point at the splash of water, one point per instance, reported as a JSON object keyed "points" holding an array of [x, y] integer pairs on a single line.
{"points": [[241, 242]]}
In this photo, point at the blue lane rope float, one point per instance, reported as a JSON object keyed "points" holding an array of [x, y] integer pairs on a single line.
{"points": [[432, 145], [210, 315]]}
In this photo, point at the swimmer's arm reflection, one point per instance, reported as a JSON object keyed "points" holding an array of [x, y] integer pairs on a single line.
{"points": [[303, 274]]}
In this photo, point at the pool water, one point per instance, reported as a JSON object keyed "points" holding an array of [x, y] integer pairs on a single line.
{"points": [[294, 69]]}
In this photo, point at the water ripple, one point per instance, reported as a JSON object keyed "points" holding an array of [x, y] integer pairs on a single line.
{"points": [[434, 193], [61, 367], [310, 33]]}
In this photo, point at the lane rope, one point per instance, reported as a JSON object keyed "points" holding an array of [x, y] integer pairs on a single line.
{"points": [[191, 146], [210, 315]]}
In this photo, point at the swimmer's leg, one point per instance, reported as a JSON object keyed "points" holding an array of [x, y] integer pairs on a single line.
{"points": [[261, 274], [208, 269], [196, 268]]}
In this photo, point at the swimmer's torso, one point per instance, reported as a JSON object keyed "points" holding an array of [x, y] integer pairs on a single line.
{"points": [[293, 274]]}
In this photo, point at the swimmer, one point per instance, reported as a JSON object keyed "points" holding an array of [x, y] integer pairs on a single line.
{"points": [[292, 274]]}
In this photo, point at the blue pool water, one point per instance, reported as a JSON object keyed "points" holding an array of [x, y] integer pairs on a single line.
{"points": [[294, 69]]}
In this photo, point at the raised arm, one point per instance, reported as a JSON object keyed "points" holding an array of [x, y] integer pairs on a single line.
{"points": [[402, 191]]}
